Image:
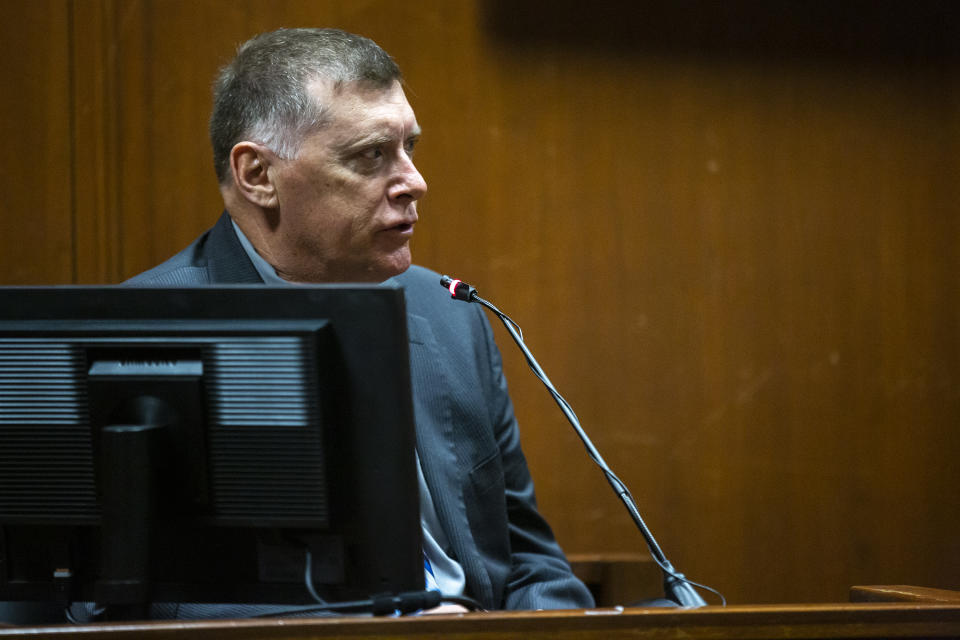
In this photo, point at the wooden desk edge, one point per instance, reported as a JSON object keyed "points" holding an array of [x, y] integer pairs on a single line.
{"points": [[903, 593], [872, 620]]}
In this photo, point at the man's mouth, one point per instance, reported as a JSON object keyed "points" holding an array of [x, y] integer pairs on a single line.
{"points": [[404, 229]]}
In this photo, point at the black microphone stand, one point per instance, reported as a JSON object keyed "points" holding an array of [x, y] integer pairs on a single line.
{"points": [[676, 587]]}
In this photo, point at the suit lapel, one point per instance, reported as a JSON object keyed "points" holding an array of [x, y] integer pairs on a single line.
{"points": [[227, 262], [443, 469]]}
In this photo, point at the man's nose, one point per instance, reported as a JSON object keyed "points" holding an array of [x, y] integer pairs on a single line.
{"points": [[410, 184]]}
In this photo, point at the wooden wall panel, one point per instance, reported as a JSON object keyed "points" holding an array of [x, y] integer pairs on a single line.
{"points": [[729, 230], [98, 174], [36, 220]]}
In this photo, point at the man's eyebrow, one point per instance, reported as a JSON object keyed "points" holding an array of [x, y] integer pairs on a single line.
{"points": [[377, 137], [368, 139]]}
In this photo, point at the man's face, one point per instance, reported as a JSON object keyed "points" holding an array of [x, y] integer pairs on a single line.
{"points": [[347, 202]]}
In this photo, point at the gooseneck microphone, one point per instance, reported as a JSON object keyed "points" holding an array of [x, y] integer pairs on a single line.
{"points": [[678, 589]]}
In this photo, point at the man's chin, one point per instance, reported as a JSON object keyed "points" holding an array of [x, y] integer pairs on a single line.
{"points": [[396, 263], [387, 268], [395, 270]]}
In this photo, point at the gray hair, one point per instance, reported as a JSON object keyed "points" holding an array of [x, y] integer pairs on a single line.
{"points": [[261, 95]]}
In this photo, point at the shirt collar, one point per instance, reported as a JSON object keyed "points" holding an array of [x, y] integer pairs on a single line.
{"points": [[264, 268]]}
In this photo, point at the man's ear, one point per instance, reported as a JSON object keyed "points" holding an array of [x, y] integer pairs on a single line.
{"points": [[249, 162]]}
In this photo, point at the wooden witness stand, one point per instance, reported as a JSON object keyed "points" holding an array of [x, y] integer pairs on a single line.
{"points": [[771, 621], [916, 613]]}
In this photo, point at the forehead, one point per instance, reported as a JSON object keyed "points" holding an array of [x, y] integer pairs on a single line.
{"points": [[355, 109]]}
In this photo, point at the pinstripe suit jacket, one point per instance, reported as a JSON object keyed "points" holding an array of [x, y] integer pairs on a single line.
{"points": [[467, 435]]}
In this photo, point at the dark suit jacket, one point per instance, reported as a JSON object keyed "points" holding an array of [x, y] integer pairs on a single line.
{"points": [[467, 436]]}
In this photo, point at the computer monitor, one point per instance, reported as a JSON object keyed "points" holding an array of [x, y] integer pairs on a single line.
{"points": [[194, 444]]}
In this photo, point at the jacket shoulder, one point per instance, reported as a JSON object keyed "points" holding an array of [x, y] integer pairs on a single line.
{"points": [[186, 268]]}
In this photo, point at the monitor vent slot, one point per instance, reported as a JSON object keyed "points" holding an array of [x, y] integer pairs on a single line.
{"points": [[44, 433], [264, 411]]}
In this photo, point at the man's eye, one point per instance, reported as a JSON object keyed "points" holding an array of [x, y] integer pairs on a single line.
{"points": [[409, 146], [372, 153]]}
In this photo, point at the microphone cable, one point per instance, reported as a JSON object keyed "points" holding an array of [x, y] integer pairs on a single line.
{"points": [[379, 605], [398, 604]]}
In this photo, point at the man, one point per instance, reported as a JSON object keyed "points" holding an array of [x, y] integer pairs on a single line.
{"points": [[313, 144]]}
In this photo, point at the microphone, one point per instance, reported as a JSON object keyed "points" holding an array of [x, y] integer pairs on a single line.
{"points": [[678, 589], [458, 289]]}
